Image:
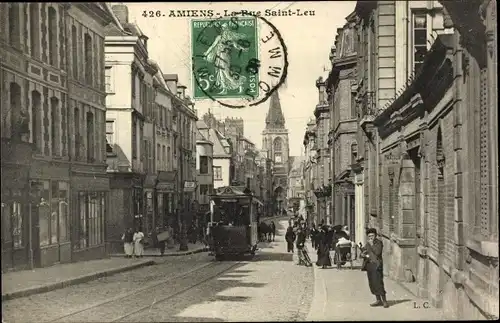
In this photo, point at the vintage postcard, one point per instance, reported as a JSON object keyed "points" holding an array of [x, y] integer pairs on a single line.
{"points": [[249, 161]]}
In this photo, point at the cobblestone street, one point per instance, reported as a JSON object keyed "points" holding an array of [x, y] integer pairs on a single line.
{"points": [[189, 288]]}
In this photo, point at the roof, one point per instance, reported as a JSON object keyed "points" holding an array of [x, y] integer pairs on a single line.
{"points": [[201, 124], [275, 118], [220, 144]]}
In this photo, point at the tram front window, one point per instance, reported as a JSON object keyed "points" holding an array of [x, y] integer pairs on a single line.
{"points": [[231, 214]]}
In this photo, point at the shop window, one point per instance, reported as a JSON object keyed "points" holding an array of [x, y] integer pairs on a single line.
{"points": [[91, 210], [35, 30], [53, 55], [203, 164], [74, 51]]}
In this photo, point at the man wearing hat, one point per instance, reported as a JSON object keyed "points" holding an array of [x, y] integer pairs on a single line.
{"points": [[373, 265]]}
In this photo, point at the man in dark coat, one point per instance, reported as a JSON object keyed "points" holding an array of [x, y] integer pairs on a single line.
{"points": [[373, 265], [325, 241], [290, 238]]}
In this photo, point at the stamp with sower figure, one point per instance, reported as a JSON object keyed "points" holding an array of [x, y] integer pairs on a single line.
{"points": [[238, 61]]}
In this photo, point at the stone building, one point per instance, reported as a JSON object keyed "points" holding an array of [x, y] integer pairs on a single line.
{"points": [[341, 87], [265, 166], [275, 141], [323, 186], [309, 171], [204, 171], [130, 138], [426, 149], [54, 183], [295, 194]]}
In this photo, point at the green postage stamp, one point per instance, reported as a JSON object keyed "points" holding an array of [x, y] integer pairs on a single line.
{"points": [[225, 57]]}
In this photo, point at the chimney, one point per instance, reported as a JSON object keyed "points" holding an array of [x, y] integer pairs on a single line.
{"points": [[121, 12], [321, 85], [181, 91], [171, 80]]}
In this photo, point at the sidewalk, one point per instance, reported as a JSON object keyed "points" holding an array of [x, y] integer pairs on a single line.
{"points": [[344, 295], [40, 280], [155, 252]]}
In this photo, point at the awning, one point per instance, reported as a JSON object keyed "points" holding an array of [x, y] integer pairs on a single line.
{"points": [[166, 181], [150, 181]]}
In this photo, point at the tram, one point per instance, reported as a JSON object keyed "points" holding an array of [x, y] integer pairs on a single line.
{"points": [[233, 222]]}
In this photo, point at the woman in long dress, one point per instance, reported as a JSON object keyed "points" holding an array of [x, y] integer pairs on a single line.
{"points": [[128, 242], [138, 243], [219, 54], [325, 242]]}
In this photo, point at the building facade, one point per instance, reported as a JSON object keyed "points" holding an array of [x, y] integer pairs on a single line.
{"points": [[129, 118], [275, 141], [222, 152], [424, 157], [341, 87], [309, 171], [323, 186], [204, 172], [295, 194], [53, 116]]}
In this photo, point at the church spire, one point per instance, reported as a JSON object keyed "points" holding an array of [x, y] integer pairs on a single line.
{"points": [[275, 118]]}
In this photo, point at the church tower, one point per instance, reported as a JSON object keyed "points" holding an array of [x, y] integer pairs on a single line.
{"points": [[275, 144]]}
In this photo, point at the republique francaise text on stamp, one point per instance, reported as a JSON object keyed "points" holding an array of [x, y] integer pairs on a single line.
{"points": [[238, 61]]}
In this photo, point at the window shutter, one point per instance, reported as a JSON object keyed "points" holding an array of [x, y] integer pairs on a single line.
{"points": [[484, 169]]}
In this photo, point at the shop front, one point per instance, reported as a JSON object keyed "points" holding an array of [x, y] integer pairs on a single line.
{"points": [[149, 218], [165, 198], [15, 203], [89, 205]]}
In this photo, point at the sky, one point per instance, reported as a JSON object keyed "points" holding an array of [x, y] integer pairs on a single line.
{"points": [[307, 38]]}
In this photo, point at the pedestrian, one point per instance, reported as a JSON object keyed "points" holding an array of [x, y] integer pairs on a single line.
{"points": [[314, 233], [325, 242], [290, 238], [300, 242], [128, 242], [374, 266], [138, 243]]}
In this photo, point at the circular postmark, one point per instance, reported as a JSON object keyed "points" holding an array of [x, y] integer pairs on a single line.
{"points": [[238, 61]]}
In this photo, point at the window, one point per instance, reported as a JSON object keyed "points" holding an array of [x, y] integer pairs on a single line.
{"points": [[53, 36], [77, 133], [164, 156], [277, 158], [354, 153], [15, 109], [419, 39], [203, 164], [134, 138], [74, 51], [90, 137], [146, 163], [90, 219], [55, 133], [53, 212], [109, 86], [36, 120], [169, 155], [35, 30], [204, 189], [353, 106], [110, 136], [150, 156], [158, 156], [217, 173], [88, 58], [12, 219], [14, 25]]}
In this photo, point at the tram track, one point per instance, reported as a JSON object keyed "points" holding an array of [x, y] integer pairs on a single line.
{"points": [[144, 298]]}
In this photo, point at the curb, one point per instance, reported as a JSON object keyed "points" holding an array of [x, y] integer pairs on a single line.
{"points": [[173, 254], [73, 281]]}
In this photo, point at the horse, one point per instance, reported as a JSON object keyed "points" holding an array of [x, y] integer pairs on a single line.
{"points": [[264, 232]]}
